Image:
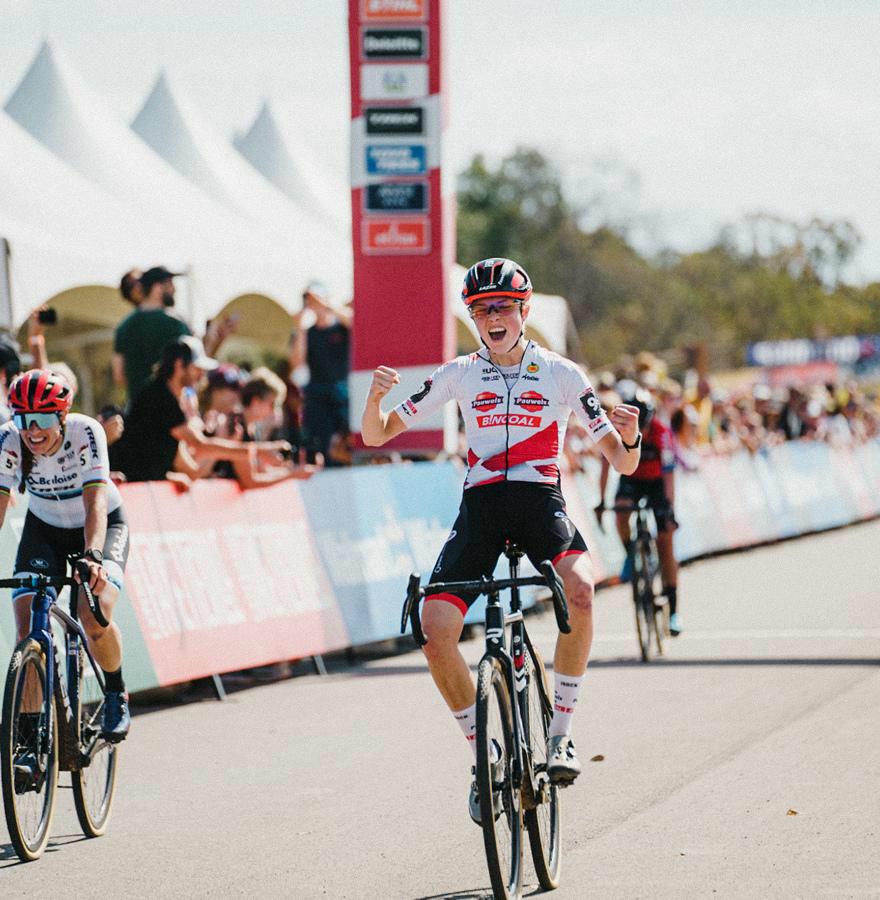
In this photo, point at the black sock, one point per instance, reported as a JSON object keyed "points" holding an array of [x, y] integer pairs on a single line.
{"points": [[113, 680], [671, 594]]}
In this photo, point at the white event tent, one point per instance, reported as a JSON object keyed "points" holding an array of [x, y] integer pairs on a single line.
{"points": [[283, 159], [173, 128]]}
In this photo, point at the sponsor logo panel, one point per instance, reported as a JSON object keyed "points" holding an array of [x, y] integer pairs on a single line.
{"points": [[403, 10], [390, 82], [396, 159], [394, 120], [590, 403], [423, 391], [397, 196], [394, 43], [384, 236], [532, 401], [485, 400], [518, 419]]}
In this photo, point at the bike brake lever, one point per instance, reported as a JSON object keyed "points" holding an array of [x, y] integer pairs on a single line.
{"points": [[411, 610], [560, 604], [82, 569]]}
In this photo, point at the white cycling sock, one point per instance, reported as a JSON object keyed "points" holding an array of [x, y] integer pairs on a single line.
{"points": [[566, 689], [467, 722]]}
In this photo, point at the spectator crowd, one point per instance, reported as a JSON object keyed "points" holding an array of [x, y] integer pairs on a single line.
{"points": [[705, 418], [184, 415]]}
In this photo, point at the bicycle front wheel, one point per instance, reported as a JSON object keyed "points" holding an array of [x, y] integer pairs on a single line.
{"points": [[28, 751], [543, 817], [500, 805], [94, 783]]}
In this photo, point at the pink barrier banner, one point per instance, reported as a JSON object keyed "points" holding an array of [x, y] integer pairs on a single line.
{"points": [[222, 579]]}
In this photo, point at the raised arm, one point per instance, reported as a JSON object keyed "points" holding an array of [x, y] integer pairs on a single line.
{"points": [[625, 420], [377, 427]]}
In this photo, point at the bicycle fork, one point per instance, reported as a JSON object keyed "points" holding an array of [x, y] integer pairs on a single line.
{"points": [[514, 670]]}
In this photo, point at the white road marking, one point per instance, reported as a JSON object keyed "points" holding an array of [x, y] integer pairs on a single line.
{"points": [[870, 634]]}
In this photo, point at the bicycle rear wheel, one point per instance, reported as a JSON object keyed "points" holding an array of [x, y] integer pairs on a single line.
{"points": [[542, 819], [93, 784], [28, 751], [500, 804], [643, 599]]}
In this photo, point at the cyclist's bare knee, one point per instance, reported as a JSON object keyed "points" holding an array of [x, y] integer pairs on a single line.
{"points": [[442, 623]]}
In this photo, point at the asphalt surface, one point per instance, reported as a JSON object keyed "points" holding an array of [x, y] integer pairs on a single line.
{"points": [[744, 764]]}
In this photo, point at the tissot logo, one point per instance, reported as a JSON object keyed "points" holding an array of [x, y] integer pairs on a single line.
{"points": [[532, 401], [485, 401]]}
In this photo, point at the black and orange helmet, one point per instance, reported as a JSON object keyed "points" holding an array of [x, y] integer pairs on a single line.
{"points": [[496, 278], [39, 390]]}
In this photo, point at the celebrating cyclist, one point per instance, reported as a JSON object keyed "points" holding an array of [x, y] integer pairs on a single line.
{"points": [[655, 479], [60, 458], [516, 399]]}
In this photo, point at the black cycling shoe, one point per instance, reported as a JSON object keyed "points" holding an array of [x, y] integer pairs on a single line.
{"points": [[116, 721], [27, 770]]}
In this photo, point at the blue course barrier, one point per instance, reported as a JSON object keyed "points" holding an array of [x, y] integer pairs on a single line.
{"points": [[307, 567]]}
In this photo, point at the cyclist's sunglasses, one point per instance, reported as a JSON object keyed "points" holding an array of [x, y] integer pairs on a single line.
{"points": [[23, 421], [502, 307]]}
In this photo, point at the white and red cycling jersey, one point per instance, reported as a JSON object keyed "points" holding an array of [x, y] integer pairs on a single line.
{"points": [[515, 420]]}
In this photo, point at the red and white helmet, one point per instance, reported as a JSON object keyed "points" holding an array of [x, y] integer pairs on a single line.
{"points": [[39, 390], [496, 278]]}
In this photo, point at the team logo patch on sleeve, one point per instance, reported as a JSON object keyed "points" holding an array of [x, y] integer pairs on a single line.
{"points": [[590, 403], [423, 392]]}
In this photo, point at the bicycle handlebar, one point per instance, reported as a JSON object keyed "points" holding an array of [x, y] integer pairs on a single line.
{"points": [[80, 567], [415, 593]]}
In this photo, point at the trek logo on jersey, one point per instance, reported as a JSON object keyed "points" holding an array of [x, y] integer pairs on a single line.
{"points": [[532, 401], [590, 403], [518, 419], [485, 401]]}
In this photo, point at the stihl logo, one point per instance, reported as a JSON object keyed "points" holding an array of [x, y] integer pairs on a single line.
{"points": [[485, 401], [532, 401], [519, 419]]}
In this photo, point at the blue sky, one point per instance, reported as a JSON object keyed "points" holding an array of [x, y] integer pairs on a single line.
{"points": [[689, 115]]}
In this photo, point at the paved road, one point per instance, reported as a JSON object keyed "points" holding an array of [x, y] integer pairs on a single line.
{"points": [[353, 785]]}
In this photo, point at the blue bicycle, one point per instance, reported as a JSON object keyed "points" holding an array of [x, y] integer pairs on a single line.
{"points": [[52, 708]]}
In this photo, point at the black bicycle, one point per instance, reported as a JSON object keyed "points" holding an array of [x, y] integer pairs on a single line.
{"points": [[513, 718], [52, 720], [651, 608]]}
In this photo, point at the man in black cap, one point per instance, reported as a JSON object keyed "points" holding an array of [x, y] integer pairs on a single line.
{"points": [[140, 336]]}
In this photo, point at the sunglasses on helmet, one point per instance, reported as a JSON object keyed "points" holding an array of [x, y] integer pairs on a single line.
{"points": [[23, 421]]}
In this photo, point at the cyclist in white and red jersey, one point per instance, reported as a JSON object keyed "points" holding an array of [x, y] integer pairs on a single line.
{"points": [[516, 399], [60, 459]]}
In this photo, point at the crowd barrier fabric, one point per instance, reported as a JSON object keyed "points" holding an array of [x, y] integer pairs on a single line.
{"points": [[220, 579]]}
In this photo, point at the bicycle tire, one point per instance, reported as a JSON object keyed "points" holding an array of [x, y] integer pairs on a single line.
{"points": [[640, 589], [543, 819], [502, 834], [652, 569], [28, 812], [94, 783]]}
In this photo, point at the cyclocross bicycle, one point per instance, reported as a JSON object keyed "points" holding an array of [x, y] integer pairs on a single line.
{"points": [[651, 609], [52, 719], [513, 716]]}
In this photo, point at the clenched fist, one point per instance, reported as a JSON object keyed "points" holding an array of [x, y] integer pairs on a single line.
{"points": [[383, 380], [625, 419]]}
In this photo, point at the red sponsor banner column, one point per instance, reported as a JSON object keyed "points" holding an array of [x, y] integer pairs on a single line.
{"points": [[402, 239]]}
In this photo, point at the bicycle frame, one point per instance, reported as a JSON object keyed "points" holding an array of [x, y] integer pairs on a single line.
{"points": [[497, 621], [43, 609]]}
